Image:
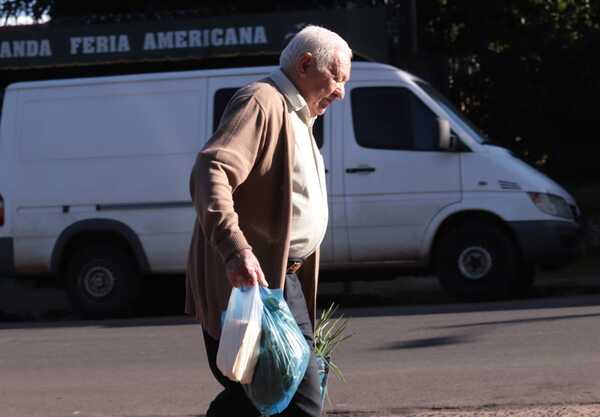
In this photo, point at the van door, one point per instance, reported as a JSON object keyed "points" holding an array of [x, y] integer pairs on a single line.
{"points": [[395, 176], [220, 92]]}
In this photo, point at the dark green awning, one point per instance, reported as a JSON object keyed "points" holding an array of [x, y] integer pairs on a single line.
{"points": [[51, 45]]}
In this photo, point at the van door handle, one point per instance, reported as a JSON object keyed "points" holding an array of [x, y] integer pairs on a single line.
{"points": [[360, 169]]}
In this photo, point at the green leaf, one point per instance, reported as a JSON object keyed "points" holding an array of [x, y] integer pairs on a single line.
{"points": [[329, 334]]}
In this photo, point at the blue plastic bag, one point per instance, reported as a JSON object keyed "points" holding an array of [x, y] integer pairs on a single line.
{"points": [[283, 357]]}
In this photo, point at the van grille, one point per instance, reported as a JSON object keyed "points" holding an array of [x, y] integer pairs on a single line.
{"points": [[509, 185]]}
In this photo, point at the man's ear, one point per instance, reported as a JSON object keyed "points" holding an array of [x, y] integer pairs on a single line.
{"points": [[303, 64]]}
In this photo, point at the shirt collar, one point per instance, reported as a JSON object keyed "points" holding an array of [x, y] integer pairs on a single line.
{"points": [[289, 90]]}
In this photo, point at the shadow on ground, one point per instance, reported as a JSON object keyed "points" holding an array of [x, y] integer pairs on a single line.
{"points": [[32, 303]]}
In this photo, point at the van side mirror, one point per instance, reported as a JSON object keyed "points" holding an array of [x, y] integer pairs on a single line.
{"points": [[446, 141]]}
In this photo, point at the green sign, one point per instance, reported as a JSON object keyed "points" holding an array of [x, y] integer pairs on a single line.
{"points": [[49, 45]]}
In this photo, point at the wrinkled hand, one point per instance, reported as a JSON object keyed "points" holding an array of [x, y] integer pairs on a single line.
{"points": [[243, 269]]}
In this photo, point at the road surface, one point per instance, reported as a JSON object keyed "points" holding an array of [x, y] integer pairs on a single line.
{"points": [[537, 351]]}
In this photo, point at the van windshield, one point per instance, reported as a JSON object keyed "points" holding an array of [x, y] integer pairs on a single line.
{"points": [[455, 114]]}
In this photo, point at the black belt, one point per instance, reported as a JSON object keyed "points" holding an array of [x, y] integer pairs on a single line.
{"points": [[293, 265]]}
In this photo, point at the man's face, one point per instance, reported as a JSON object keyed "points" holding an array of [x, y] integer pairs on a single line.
{"points": [[321, 88]]}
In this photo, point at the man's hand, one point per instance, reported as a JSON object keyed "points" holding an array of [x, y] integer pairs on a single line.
{"points": [[243, 269]]}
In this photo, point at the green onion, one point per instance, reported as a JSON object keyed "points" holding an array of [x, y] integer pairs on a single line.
{"points": [[329, 333]]}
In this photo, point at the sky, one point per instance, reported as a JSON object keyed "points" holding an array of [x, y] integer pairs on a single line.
{"points": [[22, 20]]}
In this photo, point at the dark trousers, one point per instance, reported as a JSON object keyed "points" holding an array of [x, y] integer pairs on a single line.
{"points": [[233, 402]]}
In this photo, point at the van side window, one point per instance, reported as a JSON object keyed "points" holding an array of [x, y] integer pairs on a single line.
{"points": [[223, 96], [392, 118]]}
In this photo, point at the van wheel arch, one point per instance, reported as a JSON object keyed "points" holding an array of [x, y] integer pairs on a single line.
{"points": [[463, 217], [92, 231], [486, 237]]}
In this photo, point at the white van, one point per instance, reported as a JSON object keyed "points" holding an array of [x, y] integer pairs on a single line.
{"points": [[94, 184]]}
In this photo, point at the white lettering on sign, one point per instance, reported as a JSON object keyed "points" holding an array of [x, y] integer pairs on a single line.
{"points": [[149, 42], [18, 49], [165, 40], [119, 43], [123, 45], [260, 36], [45, 48], [99, 44], [216, 37], [88, 45], [231, 36], [25, 49], [102, 46], [246, 35], [75, 43], [194, 39], [181, 39]]}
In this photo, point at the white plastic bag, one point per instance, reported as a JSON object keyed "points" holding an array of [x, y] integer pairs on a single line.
{"points": [[239, 344]]}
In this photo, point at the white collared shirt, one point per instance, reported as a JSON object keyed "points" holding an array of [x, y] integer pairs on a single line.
{"points": [[309, 193]]}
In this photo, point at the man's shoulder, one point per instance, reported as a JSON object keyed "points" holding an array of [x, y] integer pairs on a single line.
{"points": [[265, 93]]}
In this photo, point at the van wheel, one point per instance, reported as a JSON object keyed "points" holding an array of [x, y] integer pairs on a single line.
{"points": [[476, 261], [102, 281]]}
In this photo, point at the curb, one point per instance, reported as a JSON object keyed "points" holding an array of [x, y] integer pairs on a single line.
{"points": [[550, 410]]}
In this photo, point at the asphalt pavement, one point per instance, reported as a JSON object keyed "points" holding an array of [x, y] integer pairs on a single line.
{"points": [[476, 359], [415, 352]]}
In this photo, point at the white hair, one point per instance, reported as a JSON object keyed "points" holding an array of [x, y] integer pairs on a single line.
{"points": [[320, 42]]}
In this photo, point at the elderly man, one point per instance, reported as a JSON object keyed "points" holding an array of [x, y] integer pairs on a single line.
{"points": [[258, 188]]}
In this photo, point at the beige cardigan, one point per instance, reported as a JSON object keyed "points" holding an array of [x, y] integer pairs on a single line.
{"points": [[241, 190]]}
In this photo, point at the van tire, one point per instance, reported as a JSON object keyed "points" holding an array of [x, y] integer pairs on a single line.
{"points": [[476, 261], [522, 285], [102, 281]]}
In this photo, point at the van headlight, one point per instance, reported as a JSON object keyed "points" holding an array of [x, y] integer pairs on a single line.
{"points": [[552, 204]]}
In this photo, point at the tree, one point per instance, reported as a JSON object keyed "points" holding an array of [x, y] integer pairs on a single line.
{"points": [[119, 10], [526, 71]]}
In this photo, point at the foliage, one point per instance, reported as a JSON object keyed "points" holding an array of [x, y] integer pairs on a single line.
{"points": [[526, 72], [120, 10], [329, 334]]}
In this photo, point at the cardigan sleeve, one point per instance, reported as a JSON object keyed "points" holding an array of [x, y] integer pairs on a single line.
{"points": [[222, 165]]}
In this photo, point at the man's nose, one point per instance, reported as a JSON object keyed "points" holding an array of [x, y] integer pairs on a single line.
{"points": [[339, 91]]}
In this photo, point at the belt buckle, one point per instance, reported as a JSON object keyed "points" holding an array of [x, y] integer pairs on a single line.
{"points": [[293, 266]]}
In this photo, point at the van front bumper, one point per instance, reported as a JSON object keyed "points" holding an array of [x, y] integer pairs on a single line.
{"points": [[549, 243], [7, 256]]}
